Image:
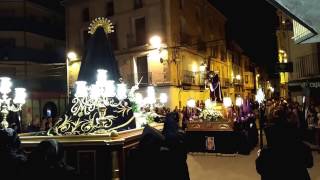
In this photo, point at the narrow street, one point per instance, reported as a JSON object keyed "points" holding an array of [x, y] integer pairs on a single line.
{"points": [[239, 167]]}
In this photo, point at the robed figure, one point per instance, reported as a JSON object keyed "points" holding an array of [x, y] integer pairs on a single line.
{"points": [[215, 87]]}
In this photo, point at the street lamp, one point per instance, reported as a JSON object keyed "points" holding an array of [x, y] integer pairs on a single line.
{"points": [[239, 102], [71, 57], [191, 103], [155, 41], [227, 102], [6, 102], [202, 67], [260, 98]]}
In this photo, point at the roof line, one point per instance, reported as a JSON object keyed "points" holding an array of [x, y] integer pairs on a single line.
{"points": [[286, 11]]}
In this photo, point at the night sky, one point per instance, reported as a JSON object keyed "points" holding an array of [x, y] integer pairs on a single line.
{"points": [[252, 24]]}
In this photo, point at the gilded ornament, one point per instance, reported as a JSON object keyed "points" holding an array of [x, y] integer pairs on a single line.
{"points": [[105, 23]]}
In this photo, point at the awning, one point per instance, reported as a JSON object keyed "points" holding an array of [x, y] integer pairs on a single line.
{"points": [[305, 14]]}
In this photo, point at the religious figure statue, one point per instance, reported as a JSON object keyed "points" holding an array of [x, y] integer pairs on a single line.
{"points": [[215, 87]]}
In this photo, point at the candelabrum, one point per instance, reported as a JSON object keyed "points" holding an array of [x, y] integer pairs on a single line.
{"points": [[8, 104], [98, 96], [105, 94]]}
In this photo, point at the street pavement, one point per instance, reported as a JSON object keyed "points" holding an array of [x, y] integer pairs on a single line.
{"points": [[239, 167]]}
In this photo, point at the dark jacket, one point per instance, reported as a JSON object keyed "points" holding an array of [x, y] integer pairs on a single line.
{"points": [[46, 162], [12, 159], [287, 157], [159, 156]]}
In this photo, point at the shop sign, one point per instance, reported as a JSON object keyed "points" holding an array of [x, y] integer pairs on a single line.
{"points": [[310, 84], [314, 84]]}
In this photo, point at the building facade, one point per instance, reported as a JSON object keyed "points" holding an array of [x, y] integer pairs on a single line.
{"points": [[192, 34], [32, 54], [302, 82]]}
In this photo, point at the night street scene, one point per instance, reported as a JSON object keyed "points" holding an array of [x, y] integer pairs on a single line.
{"points": [[160, 89]]}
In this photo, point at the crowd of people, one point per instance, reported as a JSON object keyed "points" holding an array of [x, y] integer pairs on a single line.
{"points": [[41, 125], [303, 117], [45, 161], [286, 155], [287, 125]]}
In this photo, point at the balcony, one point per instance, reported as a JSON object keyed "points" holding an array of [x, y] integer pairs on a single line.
{"points": [[149, 78], [190, 78], [237, 82], [225, 82], [34, 55], [42, 28], [185, 39], [306, 66]]}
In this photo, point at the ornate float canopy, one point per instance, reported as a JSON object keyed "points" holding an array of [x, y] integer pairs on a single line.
{"points": [[99, 105]]}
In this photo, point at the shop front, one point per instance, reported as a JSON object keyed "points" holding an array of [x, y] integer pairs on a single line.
{"points": [[307, 89]]}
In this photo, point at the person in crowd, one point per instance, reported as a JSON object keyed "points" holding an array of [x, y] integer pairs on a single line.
{"points": [[35, 125], [185, 117], [12, 158], [286, 156], [47, 160], [317, 115], [14, 120], [46, 123]]}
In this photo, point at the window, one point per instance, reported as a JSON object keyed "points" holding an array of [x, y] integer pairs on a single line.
{"points": [[140, 31], [142, 70], [214, 51], [114, 38], [138, 4], [7, 43], [110, 9], [85, 15], [246, 79]]}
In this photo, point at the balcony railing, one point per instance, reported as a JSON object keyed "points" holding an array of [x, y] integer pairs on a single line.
{"points": [[306, 66], [34, 55], [148, 78], [33, 26], [193, 78]]}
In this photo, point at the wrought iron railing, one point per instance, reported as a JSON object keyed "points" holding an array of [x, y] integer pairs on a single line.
{"points": [[148, 78]]}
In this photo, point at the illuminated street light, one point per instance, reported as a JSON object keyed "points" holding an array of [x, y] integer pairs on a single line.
{"points": [[260, 96], [163, 98], [239, 101], [72, 56], [238, 77], [202, 67], [191, 103], [227, 102], [155, 41]]}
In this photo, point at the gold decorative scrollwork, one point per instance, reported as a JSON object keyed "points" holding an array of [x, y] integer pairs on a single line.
{"points": [[105, 23], [93, 118]]}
